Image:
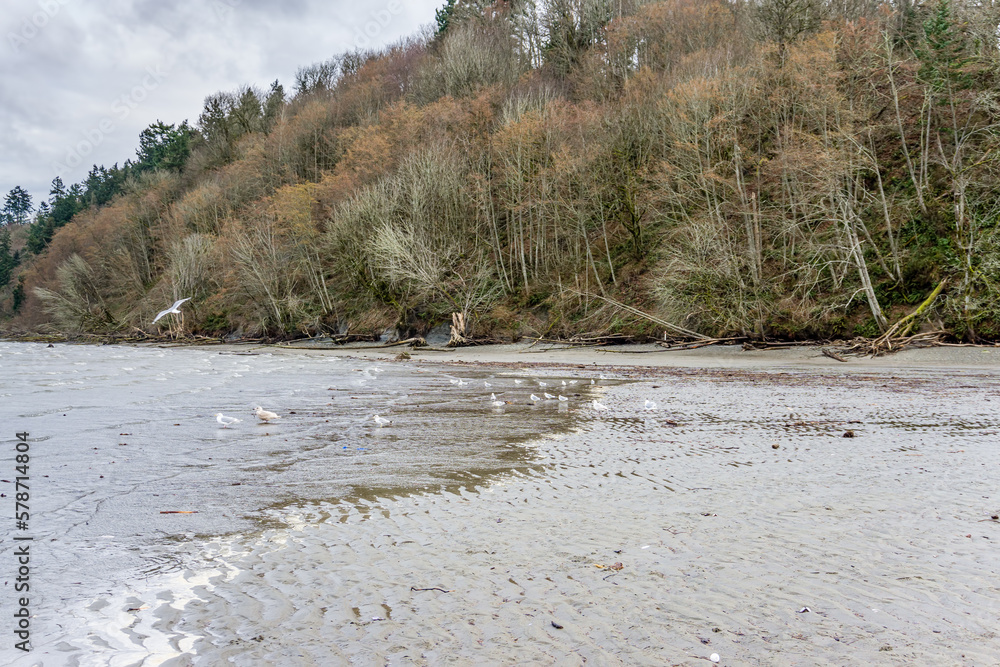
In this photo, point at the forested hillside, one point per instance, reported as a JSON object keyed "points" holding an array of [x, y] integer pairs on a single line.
{"points": [[778, 168]]}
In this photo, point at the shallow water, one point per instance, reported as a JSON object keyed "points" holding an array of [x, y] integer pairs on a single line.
{"points": [[120, 435]]}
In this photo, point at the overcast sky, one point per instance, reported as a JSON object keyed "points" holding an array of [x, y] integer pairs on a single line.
{"points": [[80, 79]]}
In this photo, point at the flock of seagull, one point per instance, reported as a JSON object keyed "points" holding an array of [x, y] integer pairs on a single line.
{"points": [[371, 373], [266, 416]]}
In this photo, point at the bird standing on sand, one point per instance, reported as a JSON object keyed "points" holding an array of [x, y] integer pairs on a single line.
{"points": [[599, 406], [176, 308], [265, 415], [381, 421], [226, 421], [535, 398], [650, 405]]}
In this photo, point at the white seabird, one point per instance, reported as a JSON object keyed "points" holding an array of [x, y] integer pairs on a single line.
{"points": [[265, 415], [381, 421], [599, 406], [650, 405], [172, 309], [226, 421]]}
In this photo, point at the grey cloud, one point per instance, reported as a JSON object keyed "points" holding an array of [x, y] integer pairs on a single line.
{"points": [[67, 78]]}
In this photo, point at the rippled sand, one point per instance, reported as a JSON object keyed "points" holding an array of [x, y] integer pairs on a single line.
{"points": [[827, 550]]}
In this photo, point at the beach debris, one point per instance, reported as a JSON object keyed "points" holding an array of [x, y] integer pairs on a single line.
{"points": [[178, 512], [265, 415], [616, 567], [556, 626], [224, 420], [650, 405], [714, 657], [804, 610], [435, 588], [775, 446], [381, 421], [403, 356], [849, 434], [833, 355]]}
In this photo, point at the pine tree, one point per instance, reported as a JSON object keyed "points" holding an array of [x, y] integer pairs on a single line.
{"points": [[16, 207]]}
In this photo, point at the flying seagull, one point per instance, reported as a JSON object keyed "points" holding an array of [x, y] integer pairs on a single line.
{"points": [[226, 421], [176, 308], [265, 415]]}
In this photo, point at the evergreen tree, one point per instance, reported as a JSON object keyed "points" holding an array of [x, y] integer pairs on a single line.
{"points": [[163, 146], [17, 206], [8, 261], [944, 55], [444, 16]]}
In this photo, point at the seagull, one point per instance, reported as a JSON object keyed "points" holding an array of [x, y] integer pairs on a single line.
{"points": [[226, 421], [564, 383], [547, 395], [518, 381], [498, 404], [599, 406], [535, 398], [650, 405], [591, 380], [265, 415], [493, 397], [381, 421], [562, 398], [487, 383], [176, 308], [543, 384]]}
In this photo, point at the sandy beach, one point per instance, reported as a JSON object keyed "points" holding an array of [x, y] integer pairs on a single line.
{"points": [[774, 509]]}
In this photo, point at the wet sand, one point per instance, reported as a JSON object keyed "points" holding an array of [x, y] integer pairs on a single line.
{"points": [[873, 549]]}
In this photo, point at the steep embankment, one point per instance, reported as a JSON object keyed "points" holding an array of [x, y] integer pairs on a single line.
{"points": [[534, 172]]}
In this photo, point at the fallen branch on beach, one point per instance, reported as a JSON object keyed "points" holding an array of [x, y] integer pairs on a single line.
{"points": [[833, 355], [676, 330], [896, 338], [412, 588], [675, 345]]}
